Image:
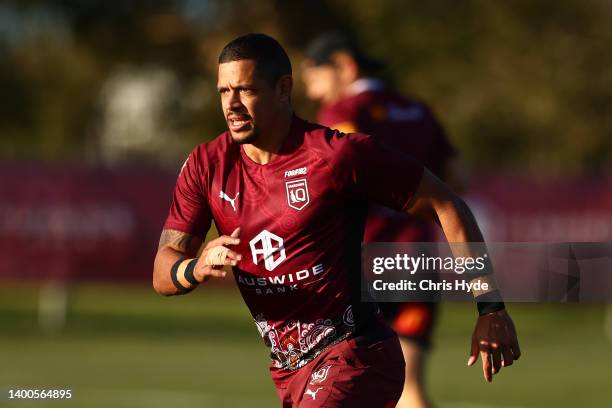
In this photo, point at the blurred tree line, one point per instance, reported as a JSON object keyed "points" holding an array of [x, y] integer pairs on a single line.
{"points": [[522, 86]]}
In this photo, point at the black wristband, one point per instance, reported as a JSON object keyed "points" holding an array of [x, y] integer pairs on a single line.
{"points": [[173, 272], [189, 272], [489, 303]]}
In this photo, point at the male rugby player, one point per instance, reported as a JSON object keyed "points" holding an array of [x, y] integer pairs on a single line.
{"points": [[288, 198], [340, 75]]}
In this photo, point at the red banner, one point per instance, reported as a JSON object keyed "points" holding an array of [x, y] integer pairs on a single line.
{"points": [[79, 223], [75, 223], [513, 209]]}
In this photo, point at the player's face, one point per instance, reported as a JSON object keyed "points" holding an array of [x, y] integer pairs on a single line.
{"points": [[251, 105], [322, 82]]}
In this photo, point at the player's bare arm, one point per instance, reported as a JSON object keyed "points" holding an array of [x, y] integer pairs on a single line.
{"points": [[177, 269], [494, 337]]}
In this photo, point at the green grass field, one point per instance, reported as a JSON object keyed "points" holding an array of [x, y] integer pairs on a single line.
{"points": [[128, 347]]}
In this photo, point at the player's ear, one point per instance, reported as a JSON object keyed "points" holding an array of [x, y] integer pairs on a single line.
{"points": [[284, 86], [348, 68]]}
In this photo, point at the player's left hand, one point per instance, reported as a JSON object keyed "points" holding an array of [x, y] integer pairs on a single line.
{"points": [[495, 340]]}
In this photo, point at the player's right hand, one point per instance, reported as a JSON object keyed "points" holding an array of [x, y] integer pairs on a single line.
{"points": [[216, 255]]}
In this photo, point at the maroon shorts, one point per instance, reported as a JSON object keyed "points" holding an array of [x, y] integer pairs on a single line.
{"points": [[347, 375]]}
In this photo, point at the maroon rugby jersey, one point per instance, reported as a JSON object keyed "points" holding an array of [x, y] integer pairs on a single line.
{"points": [[403, 124], [301, 222]]}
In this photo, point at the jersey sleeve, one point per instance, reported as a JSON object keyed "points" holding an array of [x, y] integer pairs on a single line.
{"points": [[190, 212], [372, 172], [338, 117]]}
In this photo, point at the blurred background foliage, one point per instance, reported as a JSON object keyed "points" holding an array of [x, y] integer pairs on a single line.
{"points": [[522, 86]]}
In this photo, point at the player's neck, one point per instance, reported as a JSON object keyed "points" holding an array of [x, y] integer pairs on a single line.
{"points": [[270, 143]]}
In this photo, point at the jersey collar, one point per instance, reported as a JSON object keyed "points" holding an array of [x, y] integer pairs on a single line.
{"points": [[364, 85]]}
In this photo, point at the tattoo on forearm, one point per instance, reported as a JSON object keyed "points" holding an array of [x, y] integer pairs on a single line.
{"points": [[177, 240]]}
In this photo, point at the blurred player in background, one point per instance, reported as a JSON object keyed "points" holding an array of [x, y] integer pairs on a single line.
{"points": [[354, 98]]}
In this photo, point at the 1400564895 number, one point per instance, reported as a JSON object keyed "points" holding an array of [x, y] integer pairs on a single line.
{"points": [[40, 393]]}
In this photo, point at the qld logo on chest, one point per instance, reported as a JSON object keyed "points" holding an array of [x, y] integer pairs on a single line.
{"points": [[297, 193]]}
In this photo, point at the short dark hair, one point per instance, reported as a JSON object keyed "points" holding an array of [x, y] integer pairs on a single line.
{"points": [[322, 49], [271, 60]]}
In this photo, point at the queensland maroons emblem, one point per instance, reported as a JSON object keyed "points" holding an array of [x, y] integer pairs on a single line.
{"points": [[297, 194], [319, 375]]}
